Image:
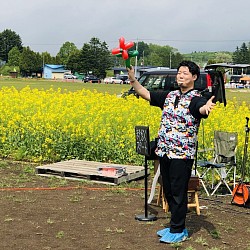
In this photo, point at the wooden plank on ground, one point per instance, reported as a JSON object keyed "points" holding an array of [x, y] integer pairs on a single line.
{"points": [[80, 169]]}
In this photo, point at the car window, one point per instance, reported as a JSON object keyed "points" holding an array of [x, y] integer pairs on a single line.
{"points": [[142, 79], [201, 83], [154, 82], [170, 82], [122, 77], [159, 82]]}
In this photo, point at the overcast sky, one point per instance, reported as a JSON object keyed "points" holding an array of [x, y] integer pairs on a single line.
{"points": [[187, 25]]}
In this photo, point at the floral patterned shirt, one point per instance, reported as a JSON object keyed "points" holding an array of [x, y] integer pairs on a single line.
{"points": [[177, 135]]}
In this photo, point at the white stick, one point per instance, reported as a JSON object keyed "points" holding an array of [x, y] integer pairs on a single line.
{"points": [[156, 177]]}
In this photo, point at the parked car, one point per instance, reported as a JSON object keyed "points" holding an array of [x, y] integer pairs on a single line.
{"points": [[91, 78], [127, 81], [122, 77], [210, 82], [69, 76], [235, 78], [113, 80]]}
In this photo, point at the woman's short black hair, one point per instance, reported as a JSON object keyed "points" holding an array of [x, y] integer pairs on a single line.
{"points": [[193, 67]]}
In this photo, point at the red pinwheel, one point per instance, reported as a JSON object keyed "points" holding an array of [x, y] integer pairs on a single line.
{"points": [[123, 52]]}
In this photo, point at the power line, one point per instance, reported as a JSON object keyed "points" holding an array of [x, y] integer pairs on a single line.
{"points": [[155, 40], [207, 41]]}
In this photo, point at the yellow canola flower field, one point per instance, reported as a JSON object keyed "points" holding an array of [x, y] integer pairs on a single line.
{"points": [[53, 125], [231, 118]]}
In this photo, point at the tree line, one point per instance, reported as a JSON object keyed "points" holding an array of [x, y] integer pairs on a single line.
{"points": [[95, 56]]}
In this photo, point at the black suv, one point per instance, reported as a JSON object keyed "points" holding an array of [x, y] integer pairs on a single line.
{"points": [[91, 78], [210, 82], [122, 77]]}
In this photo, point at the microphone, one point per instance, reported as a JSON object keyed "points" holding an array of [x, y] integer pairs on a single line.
{"points": [[179, 83]]}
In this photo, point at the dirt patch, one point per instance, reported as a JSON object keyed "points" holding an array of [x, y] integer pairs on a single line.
{"points": [[49, 213]]}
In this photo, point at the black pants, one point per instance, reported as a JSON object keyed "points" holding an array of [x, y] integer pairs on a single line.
{"points": [[175, 177]]}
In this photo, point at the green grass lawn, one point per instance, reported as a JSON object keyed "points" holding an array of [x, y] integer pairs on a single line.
{"points": [[69, 85], [74, 85], [240, 95]]}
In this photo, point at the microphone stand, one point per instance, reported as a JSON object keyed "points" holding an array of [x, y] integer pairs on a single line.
{"points": [[146, 216]]}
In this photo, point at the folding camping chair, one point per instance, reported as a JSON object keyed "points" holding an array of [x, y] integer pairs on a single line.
{"points": [[224, 161]]}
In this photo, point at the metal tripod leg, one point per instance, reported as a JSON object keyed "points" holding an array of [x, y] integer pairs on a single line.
{"points": [[223, 175], [202, 182], [222, 181]]}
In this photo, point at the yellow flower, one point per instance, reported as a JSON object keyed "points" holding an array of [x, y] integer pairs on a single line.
{"points": [[53, 125]]}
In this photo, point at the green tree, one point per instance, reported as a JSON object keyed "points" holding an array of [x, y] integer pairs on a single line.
{"points": [[176, 58], [165, 56], [5, 70], [73, 61], [222, 57], [48, 59], [211, 61], [153, 59], [14, 57], [8, 40], [143, 50], [94, 57], [215, 57], [30, 62], [236, 55], [244, 53], [65, 52], [241, 55]]}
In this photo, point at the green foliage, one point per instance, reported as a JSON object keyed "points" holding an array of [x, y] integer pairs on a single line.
{"points": [[30, 62], [109, 73], [8, 40], [203, 58], [42, 84], [6, 69], [144, 51], [73, 61], [164, 56], [66, 51], [159, 56], [94, 57], [60, 235], [14, 57], [215, 234], [241, 55], [48, 59], [221, 57]]}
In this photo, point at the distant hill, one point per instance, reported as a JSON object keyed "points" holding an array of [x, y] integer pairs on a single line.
{"points": [[204, 57]]}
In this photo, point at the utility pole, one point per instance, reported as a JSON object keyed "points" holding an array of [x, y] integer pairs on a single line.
{"points": [[143, 58], [170, 60], [43, 67]]}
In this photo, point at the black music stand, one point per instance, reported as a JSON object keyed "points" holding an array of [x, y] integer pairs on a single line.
{"points": [[143, 148]]}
